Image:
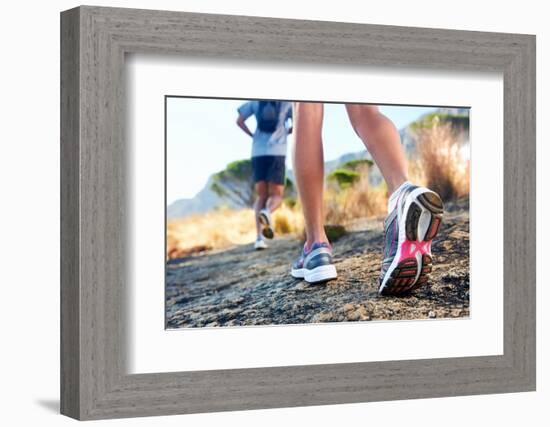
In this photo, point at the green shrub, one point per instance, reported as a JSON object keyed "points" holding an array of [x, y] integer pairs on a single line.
{"points": [[334, 232], [345, 178], [241, 169], [290, 202], [357, 164]]}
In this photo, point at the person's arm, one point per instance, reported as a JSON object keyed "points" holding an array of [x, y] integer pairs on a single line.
{"points": [[289, 119], [241, 123]]}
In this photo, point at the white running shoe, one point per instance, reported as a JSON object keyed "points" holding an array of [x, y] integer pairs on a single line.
{"points": [[260, 244]]}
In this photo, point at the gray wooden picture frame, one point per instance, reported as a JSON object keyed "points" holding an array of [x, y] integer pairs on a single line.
{"points": [[94, 41]]}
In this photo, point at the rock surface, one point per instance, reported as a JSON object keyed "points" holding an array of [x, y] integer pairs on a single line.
{"points": [[240, 286]]}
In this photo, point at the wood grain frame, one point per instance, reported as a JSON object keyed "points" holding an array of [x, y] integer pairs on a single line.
{"points": [[94, 41]]}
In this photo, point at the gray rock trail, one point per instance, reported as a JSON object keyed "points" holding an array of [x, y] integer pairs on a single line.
{"points": [[240, 286]]}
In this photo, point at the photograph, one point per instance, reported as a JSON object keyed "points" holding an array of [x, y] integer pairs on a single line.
{"points": [[282, 212]]}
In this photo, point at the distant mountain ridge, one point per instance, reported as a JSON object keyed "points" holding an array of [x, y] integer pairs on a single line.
{"points": [[207, 199]]}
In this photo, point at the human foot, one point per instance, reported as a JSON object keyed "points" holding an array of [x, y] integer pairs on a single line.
{"points": [[260, 244], [315, 264], [409, 229], [265, 219]]}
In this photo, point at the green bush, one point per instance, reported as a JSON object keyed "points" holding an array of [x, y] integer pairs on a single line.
{"points": [[289, 185], [290, 202], [241, 169], [357, 164], [334, 232], [345, 178]]}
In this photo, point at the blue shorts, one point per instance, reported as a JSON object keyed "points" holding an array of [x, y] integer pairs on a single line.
{"points": [[269, 169]]}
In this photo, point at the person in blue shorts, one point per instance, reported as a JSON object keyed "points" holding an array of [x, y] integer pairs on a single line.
{"points": [[269, 145]]}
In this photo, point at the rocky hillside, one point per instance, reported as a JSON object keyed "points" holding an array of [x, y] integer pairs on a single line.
{"points": [[204, 201]]}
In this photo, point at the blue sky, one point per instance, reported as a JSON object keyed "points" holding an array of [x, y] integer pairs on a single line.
{"points": [[202, 138]]}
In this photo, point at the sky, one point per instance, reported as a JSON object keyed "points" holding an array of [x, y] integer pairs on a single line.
{"points": [[202, 138]]}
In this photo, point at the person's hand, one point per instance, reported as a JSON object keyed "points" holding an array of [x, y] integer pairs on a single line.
{"points": [[241, 123]]}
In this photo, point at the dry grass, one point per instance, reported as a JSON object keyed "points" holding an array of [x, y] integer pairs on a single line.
{"points": [[223, 228], [442, 167], [287, 220], [358, 201], [416, 172], [212, 230]]}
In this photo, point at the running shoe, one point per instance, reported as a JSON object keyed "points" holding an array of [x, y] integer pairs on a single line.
{"points": [[265, 219], [260, 244], [315, 265], [409, 231]]}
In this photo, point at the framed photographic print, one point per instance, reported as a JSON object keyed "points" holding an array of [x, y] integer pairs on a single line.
{"points": [[262, 213]]}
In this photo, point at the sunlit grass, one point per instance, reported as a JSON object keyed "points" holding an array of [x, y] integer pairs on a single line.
{"points": [[444, 163]]}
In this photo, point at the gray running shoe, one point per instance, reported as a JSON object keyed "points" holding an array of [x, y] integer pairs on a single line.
{"points": [[315, 265], [409, 231]]}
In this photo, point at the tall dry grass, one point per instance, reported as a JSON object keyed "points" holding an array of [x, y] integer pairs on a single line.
{"points": [[212, 230], [223, 228], [288, 220], [441, 164], [360, 200]]}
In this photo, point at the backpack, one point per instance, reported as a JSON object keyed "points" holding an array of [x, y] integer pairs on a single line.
{"points": [[267, 117]]}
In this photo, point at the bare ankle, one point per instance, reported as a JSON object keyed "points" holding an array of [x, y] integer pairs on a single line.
{"points": [[396, 183], [316, 238]]}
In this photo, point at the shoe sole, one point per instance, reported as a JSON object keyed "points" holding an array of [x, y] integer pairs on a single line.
{"points": [[267, 230], [298, 273], [418, 225], [320, 274]]}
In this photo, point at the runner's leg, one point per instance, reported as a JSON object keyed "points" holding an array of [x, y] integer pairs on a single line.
{"points": [[382, 140], [261, 200], [309, 167], [275, 196]]}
